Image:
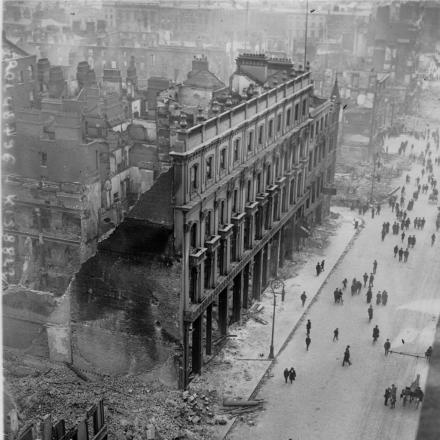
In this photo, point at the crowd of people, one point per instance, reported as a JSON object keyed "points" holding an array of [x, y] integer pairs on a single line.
{"points": [[402, 227]]}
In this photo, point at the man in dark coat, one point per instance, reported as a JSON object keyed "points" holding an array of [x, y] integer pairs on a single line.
{"points": [[396, 249], [371, 281], [292, 374], [303, 298], [346, 356], [387, 347], [336, 334], [365, 279], [308, 326], [286, 374], [387, 395], [318, 269], [308, 340], [374, 267], [369, 295], [405, 255], [400, 254]]}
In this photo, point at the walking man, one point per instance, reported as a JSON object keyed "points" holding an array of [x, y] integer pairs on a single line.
{"points": [[365, 279], [396, 249], [318, 269], [308, 327], [370, 283], [387, 395], [335, 334], [292, 374], [346, 356], [308, 340], [387, 347], [303, 298], [374, 267], [405, 255], [286, 374], [400, 254]]}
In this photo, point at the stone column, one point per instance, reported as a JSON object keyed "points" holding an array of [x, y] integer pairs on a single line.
{"points": [[197, 345], [246, 279], [256, 282], [223, 311], [237, 297], [208, 341], [276, 254]]}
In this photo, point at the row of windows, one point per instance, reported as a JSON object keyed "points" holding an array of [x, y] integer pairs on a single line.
{"points": [[294, 188], [236, 146]]}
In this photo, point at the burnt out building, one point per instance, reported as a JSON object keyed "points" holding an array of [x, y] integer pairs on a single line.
{"points": [[73, 178], [246, 183]]}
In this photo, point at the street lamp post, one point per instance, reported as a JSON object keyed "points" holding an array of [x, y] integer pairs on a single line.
{"points": [[275, 284]]}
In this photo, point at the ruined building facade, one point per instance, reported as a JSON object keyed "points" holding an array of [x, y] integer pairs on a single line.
{"points": [[244, 186], [72, 179]]}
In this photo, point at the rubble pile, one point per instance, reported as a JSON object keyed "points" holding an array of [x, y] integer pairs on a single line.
{"points": [[131, 405], [353, 181]]}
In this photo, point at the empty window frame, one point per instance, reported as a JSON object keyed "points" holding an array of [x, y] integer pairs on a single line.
{"points": [[260, 134], [209, 171], [223, 159], [236, 150], [250, 141], [194, 177]]}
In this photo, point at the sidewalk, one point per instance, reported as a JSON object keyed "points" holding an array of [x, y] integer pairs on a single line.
{"points": [[238, 370]]}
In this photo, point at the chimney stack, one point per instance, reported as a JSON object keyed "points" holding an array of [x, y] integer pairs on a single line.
{"points": [[81, 73], [56, 82]]}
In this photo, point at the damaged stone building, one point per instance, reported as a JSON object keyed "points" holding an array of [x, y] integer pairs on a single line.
{"points": [[246, 183], [73, 177]]}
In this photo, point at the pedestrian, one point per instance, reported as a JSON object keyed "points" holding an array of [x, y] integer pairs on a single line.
{"points": [[308, 340], [396, 249], [393, 396], [402, 236], [365, 279], [374, 267], [292, 374], [375, 333], [387, 347], [378, 298], [371, 281], [405, 255], [318, 269], [344, 283], [286, 374], [346, 356], [303, 298], [432, 239], [387, 395], [335, 334], [384, 298], [369, 295], [322, 265], [370, 313], [308, 327], [400, 254]]}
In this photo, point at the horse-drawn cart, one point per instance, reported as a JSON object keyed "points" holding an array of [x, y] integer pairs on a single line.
{"points": [[412, 394]]}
